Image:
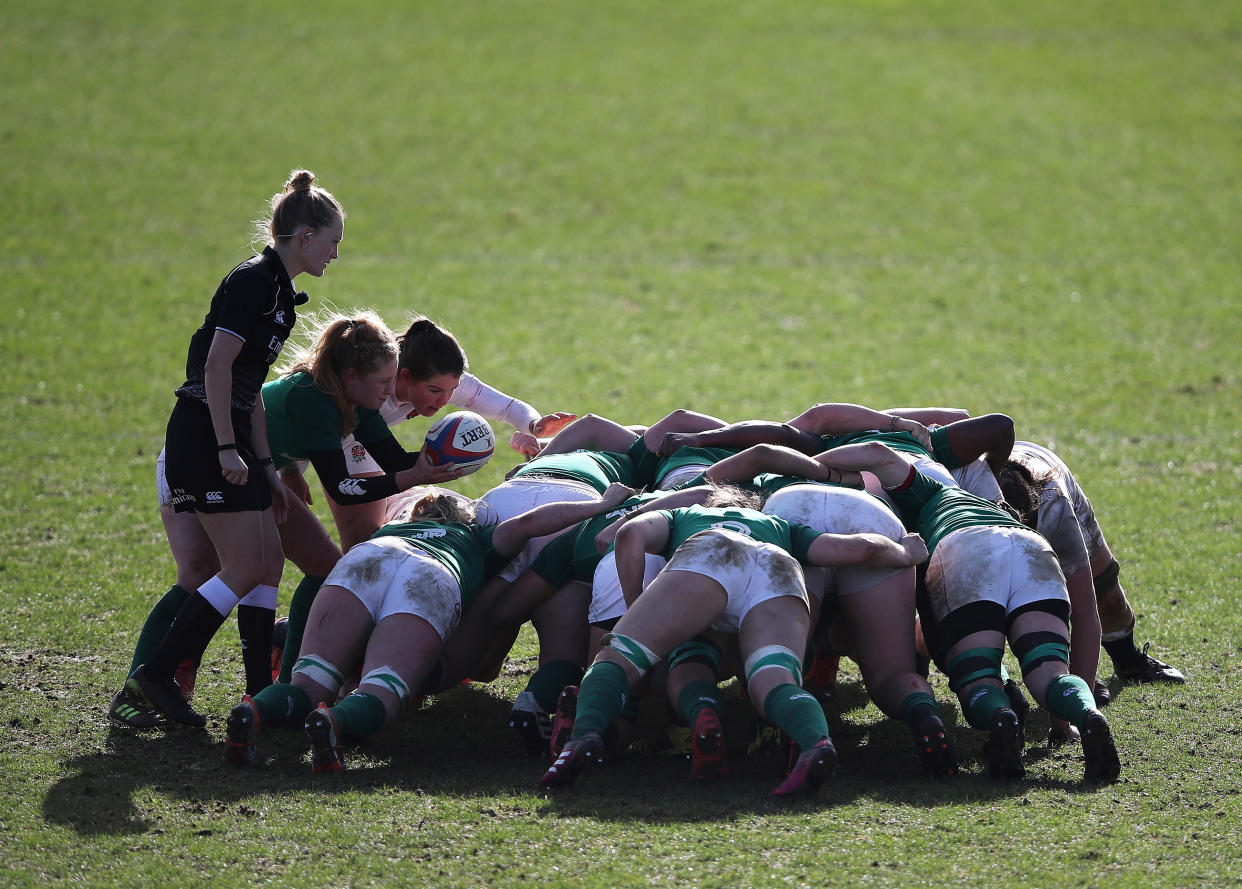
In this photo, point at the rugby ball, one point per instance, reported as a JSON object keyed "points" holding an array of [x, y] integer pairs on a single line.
{"points": [[463, 439]]}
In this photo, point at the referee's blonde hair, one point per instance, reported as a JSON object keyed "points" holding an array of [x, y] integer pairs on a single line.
{"points": [[299, 202]]}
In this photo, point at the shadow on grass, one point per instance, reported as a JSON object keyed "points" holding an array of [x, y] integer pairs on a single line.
{"points": [[458, 745]]}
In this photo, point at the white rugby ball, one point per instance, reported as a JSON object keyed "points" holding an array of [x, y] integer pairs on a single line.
{"points": [[463, 439]]}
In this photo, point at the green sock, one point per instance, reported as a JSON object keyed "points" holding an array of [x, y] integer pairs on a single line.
{"points": [[157, 624], [601, 697], [917, 706], [282, 704], [360, 715], [549, 679], [980, 704], [299, 611], [797, 714], [1070, 698], [698, 695]]}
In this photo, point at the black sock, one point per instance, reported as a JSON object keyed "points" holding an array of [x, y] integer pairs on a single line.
{"points": [[1123, 651], [187, 638], [254, 625]]}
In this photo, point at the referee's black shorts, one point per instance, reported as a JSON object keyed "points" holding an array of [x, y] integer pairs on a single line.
{"points": [[192, 463]]}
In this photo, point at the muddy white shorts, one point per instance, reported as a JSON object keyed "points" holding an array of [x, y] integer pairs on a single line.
{"points": [[1010, 566], [390, 575], [839, 511], [607, 601], [750, 571], [519, 495]]}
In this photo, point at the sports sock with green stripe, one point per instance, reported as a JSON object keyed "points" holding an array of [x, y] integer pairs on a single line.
{"points": [[601, 697], [797, 714], [360, 715], [299, 611], [282, 704], [1069, 697], [696, 696]]}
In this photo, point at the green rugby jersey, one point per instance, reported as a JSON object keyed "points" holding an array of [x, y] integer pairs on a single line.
{"points": [[936, 510], [687, 521], [599, 469], [572, 555], [466, 550], [302, 418]]}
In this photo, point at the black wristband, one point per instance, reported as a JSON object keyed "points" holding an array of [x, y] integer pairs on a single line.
{"points": [[226, 447], [266, 461]]}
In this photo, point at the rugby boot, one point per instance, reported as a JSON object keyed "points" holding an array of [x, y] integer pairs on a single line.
{"points": [[707, 752], [132, 710], [532, 723], [325, 740], [1004, 746], [932, 744], [563, 723], [1102, 693], [1102, 764], [241, 734], [575, 755], [164, 696], [810, 770], [1148, 669], [187, 677], [1017, 700]]}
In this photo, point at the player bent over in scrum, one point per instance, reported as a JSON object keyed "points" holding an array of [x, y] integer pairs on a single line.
{"points": [[390, 602], [989, 578], [732, 570]]}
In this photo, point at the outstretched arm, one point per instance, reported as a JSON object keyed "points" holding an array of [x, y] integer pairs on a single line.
{"points": [[990, 436], [842, 418], [742, 435], [511, 535], [745, 465], [929, 416], [592, 433], [889, 466], [695, 496]]}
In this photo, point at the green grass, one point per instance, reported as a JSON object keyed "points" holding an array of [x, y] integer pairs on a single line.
{"points": [[627, 208]]}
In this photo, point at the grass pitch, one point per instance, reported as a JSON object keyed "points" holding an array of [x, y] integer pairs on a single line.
{"points": [[627, 208]]}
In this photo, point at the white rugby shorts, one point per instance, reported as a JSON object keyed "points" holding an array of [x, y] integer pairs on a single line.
{"points": [[1010, 566], [839, 511], [390, 575], [607, 601], [750, 571], [519, 495]]}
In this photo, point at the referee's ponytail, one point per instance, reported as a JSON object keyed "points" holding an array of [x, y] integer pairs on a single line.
{"points": [[299, 203]]}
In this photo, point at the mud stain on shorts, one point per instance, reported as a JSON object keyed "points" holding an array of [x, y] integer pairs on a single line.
{"points": [[718, 549], [364, 569]]}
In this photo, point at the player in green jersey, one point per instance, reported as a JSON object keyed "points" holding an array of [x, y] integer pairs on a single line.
{"points": [[734, 571], [390, 603], [990, 579]]}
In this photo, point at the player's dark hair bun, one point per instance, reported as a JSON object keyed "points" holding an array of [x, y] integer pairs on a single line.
{"points": [[300, 180], [422, 325]]}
